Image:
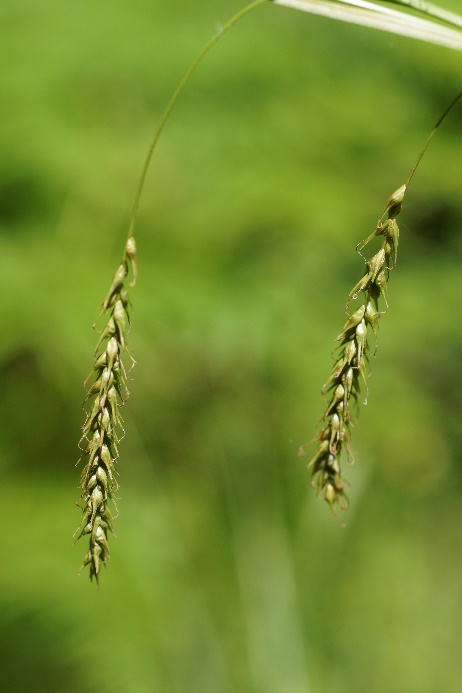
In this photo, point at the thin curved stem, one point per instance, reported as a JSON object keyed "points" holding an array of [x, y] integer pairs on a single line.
{"points": [[440, 120], [362, 12], [222, 30]]}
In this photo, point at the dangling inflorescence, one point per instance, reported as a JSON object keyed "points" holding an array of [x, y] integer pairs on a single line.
{"points": [[352, 364], [108, 393]]}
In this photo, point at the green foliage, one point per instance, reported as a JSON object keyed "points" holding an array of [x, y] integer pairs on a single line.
{"points": [[228, 574]]}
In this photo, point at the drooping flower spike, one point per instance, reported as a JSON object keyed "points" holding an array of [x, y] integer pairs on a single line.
{"points": [[352, 366], [103, 425], [108, 391]]}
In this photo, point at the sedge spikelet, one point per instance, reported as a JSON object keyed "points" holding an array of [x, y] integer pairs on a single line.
{"points": [[103, 423], [351, 368], [109, 390]]}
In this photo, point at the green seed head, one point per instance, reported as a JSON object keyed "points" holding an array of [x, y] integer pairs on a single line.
{"points": [[350, 371], [103, 422]]}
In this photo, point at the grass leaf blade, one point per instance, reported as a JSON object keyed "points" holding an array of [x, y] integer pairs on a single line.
{"points": [[380, 17]]}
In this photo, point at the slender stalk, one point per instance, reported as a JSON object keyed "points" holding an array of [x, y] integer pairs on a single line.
{"points": [[191, 69], [357, 11], [440, 120]]}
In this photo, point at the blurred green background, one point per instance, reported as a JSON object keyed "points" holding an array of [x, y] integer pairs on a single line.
{"points": [[228, 575]]}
